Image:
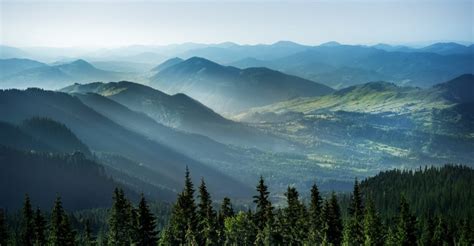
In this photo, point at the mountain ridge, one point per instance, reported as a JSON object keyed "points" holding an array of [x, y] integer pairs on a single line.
{"points": [[228, 89]]}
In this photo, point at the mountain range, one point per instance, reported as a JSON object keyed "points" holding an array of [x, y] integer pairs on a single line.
{"points": [[250, 110], [23, 73], [229, 89], [332, 64]]}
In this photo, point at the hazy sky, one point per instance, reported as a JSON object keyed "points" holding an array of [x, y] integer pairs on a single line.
{"points": [[118, 23]]}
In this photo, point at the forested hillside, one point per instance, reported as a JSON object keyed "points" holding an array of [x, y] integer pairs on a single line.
{"points": [[82, 182], [447, 190], [361, 218]]}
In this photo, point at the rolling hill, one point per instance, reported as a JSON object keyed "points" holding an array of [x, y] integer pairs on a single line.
{"points": [[382, 97], [229, 89], [378, 123]]}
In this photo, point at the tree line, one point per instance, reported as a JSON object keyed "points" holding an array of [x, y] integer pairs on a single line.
{"points": [[315, 222]]}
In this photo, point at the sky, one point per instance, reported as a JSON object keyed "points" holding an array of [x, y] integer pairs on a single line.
{"points": [[108, 23]]}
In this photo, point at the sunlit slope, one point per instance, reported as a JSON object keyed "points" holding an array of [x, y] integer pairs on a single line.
{"points": [[104, 135], [181, 112]]}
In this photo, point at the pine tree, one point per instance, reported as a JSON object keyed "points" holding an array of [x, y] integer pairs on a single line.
{"points": [[39, 229], [466, 237], [264, 208], [332, 221], [315, 236], [27, 225], [406, 227], [294, 216], [190, 237], [166, 238], [354, 230], [427, 231], [119, 220], [89, 239], [207, 225], [147, 234], [133, 225], [60, 232], [373, 231], [225, 212], [441, 234], [3, 228], [183, 218], [240, 230]]}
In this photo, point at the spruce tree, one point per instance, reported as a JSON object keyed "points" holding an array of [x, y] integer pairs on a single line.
{"points": [[294, 216], [183, 220], [190, 237], [373, 228], [240, 230], [119, 220], [207, 225], [225, 211], [466, 237], [88, 238], [166, 237], [27, 223], [333, 228], [3, 228], [441, 233], [405, 233], [146, 234], [39, 229], [134, 224], [60, 232], [427, 231], [315, 236], [263, 211], [354, 230]]}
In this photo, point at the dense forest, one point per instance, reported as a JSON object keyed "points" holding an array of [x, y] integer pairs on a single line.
{"points": [[320, 220], [44, 174]]}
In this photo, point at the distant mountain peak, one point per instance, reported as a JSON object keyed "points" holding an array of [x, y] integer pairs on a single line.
{"points": [[166, 64], [197, 61], [80, 62], [286, 43], [330, 44]]}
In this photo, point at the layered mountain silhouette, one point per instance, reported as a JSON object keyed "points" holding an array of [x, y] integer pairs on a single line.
{"points": [[42, 158], [343, 65], [101, 134], [181, 112], [27, 73], [229, 89]]}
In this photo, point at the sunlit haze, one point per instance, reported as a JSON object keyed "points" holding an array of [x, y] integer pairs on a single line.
{"points": [[120, 23]]}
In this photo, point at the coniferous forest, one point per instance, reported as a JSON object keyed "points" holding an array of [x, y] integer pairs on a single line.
{"points": [[399, 212]]}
